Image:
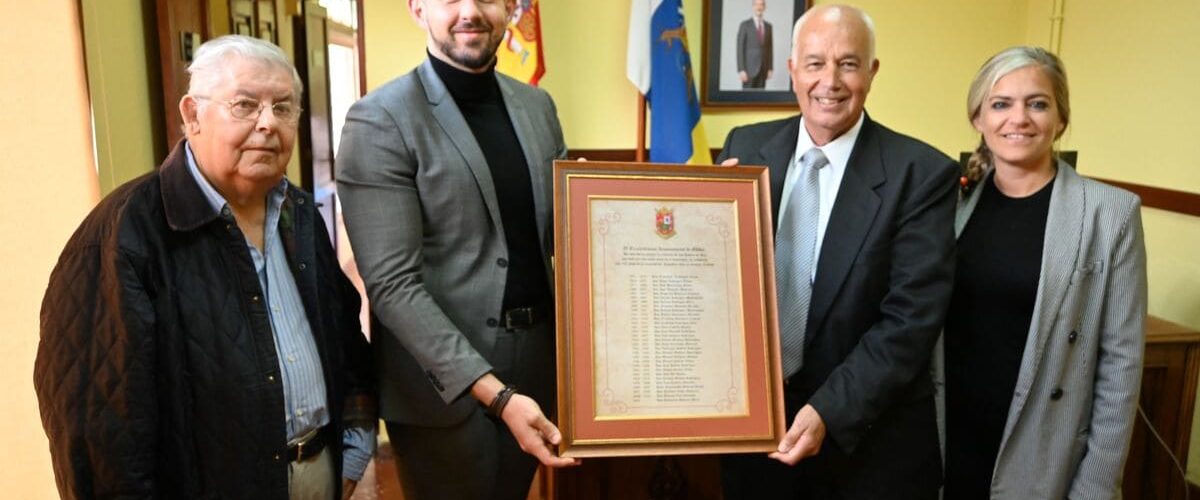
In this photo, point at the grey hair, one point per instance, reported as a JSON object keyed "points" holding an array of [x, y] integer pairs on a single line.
{"points": [[834, 13], [1015, 58], [206, 68], [1008, 61]]}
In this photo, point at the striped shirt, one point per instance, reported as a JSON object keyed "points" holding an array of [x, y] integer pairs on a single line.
{"points": [[299, 361]]}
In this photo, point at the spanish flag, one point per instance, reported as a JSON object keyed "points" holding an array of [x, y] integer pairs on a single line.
{"points": [[520, 56], [660, 66]]}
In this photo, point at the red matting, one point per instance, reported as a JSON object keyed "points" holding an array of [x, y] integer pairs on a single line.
{"points": [[759, 423]]}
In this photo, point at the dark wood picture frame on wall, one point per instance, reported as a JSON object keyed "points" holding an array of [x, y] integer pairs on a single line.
{"points": [[732, 45]]}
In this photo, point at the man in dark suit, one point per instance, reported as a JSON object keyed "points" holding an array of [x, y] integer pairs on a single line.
{"points": [[864, 266], [754, 49]]}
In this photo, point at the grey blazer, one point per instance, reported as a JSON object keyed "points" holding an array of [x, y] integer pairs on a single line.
{"points": [[422, 215], [1073, 409], [752, 57]]}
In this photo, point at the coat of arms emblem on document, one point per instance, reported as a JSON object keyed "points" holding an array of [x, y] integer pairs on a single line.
{"points": [[664, 222]]}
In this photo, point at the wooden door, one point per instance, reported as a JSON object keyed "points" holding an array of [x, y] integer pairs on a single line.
{"points": [[267, 23], [182, 26], [256, 18], [316, 136]]}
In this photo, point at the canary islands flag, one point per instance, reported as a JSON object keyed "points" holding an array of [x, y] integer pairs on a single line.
{"points": [[520, 56], [659, 65]]}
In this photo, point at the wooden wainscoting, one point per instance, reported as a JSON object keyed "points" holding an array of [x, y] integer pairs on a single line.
{"points": [[1168, 398]]}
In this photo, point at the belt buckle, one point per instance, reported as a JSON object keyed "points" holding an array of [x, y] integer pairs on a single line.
{"points": [[300, 445], [521, 317]]}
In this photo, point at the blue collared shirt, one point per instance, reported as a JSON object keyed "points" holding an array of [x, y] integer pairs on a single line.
{"points": [[299, 361]]}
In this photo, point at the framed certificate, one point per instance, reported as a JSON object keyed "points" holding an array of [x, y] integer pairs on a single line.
{"points": [[665, 290]]}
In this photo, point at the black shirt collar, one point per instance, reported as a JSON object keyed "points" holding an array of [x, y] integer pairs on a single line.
{"points": [[184, 202], [464, 86]]}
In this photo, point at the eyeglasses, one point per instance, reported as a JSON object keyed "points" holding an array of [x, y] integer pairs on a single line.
{"points": [[245, 108]]}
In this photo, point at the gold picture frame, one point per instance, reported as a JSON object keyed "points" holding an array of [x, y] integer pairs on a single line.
{"points": [[665, 302]]}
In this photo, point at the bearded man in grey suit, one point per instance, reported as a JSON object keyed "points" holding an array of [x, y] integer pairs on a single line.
{"points": [[444, 175]]}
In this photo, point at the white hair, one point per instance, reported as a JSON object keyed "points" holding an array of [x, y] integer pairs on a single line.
{"points": [[206, 68], [833, 13]]}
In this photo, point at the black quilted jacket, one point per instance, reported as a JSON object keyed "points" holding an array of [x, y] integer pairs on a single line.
{"points": [[157, 374]]}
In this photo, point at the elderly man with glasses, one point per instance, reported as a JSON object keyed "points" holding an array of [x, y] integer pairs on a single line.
{"points": [[198, 338]]}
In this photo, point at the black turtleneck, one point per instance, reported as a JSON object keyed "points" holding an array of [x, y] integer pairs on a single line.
{"points": [[999, 263], [479, 99]]}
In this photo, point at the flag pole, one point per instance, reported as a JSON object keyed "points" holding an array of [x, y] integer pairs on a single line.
{"points": [[640, 155]]}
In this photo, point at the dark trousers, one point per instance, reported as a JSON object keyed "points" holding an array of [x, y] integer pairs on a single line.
{"points": [[756, 81], [478, 458], [885, 466]]}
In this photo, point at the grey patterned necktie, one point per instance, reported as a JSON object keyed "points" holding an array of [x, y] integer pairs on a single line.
{"points": [[795, 243]]}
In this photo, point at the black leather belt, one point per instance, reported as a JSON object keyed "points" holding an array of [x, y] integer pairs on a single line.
{"points": [[524, 318], [308, 448]]}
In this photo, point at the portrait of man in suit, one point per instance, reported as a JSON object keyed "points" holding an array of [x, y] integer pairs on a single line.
{"points": [[864, 271], [754, 54], [444, 177], [744, 59]]}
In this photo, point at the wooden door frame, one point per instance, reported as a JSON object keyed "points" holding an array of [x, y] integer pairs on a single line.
{"points": [[360, 31]]}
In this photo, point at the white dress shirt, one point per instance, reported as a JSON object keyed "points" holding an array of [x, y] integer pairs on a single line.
{"points": [[830, 178]]}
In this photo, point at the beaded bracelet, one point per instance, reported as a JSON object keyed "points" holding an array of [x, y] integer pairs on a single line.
{"points": [[497, 407]]}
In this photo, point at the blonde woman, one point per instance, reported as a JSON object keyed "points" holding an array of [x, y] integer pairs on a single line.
{"points": [[1044, 338]]}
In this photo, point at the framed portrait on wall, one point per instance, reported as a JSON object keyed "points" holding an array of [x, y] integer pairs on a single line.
{"points": [[746, 47]]}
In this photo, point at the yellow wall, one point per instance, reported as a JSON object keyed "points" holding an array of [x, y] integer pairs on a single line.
{"points": [[929, 50], [49, 184], [394, 43], [585, 70], [126, 118], [1134, 121], [1132, 81], [122, 69], [585, 60]]}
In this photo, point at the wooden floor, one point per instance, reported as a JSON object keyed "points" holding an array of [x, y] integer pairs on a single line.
{"points": [[691, 477], [380, 480]]}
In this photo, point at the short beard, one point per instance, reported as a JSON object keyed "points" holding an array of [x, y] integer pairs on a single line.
{"points": [[471, 58]]}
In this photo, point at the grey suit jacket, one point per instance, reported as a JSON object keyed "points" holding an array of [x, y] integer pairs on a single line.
{"points": [[1073, 409], [753, 57], [422, 215]]}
